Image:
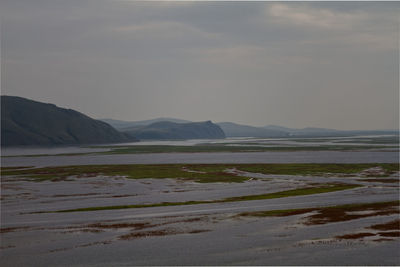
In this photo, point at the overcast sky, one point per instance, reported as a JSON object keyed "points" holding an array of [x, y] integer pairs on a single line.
{"points": [[332, 65]]}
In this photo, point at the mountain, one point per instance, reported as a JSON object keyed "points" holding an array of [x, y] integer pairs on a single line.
{"points": [[28, 122], [171, 130], [121, 125], [237, 130]]}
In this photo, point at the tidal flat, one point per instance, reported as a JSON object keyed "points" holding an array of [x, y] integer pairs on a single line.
{"points": [[226, 213]]}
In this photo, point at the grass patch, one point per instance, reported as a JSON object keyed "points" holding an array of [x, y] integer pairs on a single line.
{"points": [[133, 171], [202, 173], [288, 193], [162, 232]]}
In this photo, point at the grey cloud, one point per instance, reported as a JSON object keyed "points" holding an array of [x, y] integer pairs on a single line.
{"points": [[307, 64]]}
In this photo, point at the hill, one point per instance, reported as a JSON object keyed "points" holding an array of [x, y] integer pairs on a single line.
{"points": [[122, 125], [28, 122], [166, 130], [237, 130]]}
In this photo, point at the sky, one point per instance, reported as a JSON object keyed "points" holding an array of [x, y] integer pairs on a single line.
{"points": [[295, 64]]}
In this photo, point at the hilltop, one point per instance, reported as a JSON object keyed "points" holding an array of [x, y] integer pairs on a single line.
{"points": [[28, 122]]}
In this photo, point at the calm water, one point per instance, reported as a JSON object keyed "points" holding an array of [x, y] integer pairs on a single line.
{"points": [[246, 157]]}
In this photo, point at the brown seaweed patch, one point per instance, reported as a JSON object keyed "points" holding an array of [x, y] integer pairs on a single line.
{"points": [[335, 213], [13, 229], [162, 232], [83, 230], [198, 231], [355, 236], [197, 219], [392, 225], [117, 196], [136, 226], [343, 213], [390, 234]]}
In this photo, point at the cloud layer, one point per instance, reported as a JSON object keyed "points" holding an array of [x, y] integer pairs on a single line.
{"points": [[290, 63]]}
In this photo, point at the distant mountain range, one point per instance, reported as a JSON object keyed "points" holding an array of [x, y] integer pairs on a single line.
{"points": [[123, 125], [28, 122], [239, 130]]}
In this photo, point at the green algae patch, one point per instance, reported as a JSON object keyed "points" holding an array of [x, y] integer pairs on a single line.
{"points": [[133, 171], [288, 193]]}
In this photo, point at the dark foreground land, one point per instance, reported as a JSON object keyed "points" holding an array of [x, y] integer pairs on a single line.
{"points": [[200, 214]]}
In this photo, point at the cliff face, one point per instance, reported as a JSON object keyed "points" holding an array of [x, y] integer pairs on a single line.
{"points": [[28, 122], [170, 130]]}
